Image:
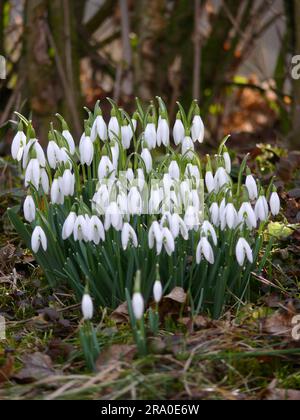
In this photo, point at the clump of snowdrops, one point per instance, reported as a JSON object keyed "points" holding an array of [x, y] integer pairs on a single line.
{"points": [[136, 195]]}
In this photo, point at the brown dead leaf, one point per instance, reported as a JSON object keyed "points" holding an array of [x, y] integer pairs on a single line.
{"points": [[280, 323], [121, 315], [36, 366], [177, 295], [173, 304], [114, 355], [7, 369], [277, 394]]}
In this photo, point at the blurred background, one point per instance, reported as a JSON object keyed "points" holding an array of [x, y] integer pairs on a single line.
{"points": [[235, 57]]}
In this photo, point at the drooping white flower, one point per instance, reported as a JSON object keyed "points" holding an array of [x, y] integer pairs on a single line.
{"points": [[174, 170], [113, 128], [197, 129], [38, 239], [247, 215], [262, 209], [128, 235], [192, 171], [147, 159], [150, 136], [100, 200], [227, 160], [168, 241], [138, 305], [242, 250], [209, 182], [140, 179], [29, 209], [99, 129], [113, 217], [154, 201], [178, 132], [207, 228], [33, 145], [251, 187], [221, 178], [129, 175], [188, 148], [105, 168], [157, 291], [155, 236], [87, 307], [86, 150], [33, 173], [275, 203], [126, 136], [68, 226], [81, 229], [18, 146], [68, 183], [231, 216], [45, 181], [96, 230], [204, 248], [71, 143], [191, 218], [39, 153], [163, 132], [215, 214], [57, 193], [177, 226], [135, 203]]}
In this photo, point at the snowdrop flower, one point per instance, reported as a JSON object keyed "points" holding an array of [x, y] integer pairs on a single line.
{"points": [[154, 201], [207, 228], [122, 202], [209, 182], [177, 226], [247, 215], [163, 132], [174, 170], [157, 291], [113, 127], [135, 204], [29, 209], [68, 183], [128, 235], [38, 239], [96, 230], [45, 181], [57, 194], [215, 214], [129, 175], [275, 203], [221, 178], [178, 132], [100, 200], [18, 146], [191, 218], [140, 179], [251, 187], [168, 241], [68, 226], [242, 250], [138, 305], [81, 229], [229, 217], [204, 248], [150, 135], [147, 159], [227, 160], [197, 129], [185, 192], [188, 147], [69, 138], [34, 145], [155, 236], [113, 217], [87, 307], [64, 157], [86, 150], [126, 136], [262, 209], [99, 129], [33, 173], [105, 168], [192, 171]]}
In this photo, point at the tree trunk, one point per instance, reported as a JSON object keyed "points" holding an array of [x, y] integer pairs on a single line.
{"points": [[295, 139]]}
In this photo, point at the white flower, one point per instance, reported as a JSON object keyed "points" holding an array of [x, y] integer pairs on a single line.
{"points": [[178, 132], [69, 138], [39, 153], [174, 170], [113, 128], [262, 209], [45, 181], [251, 187], [87, 307], [191, 218], [192, 171], [38, 239], [126, 135], [135, 204], [64, 157], [129, 175], [33, 173], [81, 229], [68, 183], [113, 217], [57, 194], [96, 230], [155, 236], [128, 235], [197, 129], [227, 160], [231, 216], [163, 132], [122, 201], [150, 136], [215, 214], [275, 204], [204, 248], [140, 179], [138, 305], [157, 291], [29, 209], [18, 146], [168, 241], [242, 250], [209, 182], [247, 215], [115, 152], [86, 150], [221, 178], [177, 226], [147, 159], [208, 228], [68, 226], [154, 201], [105, 168], [188, 148], [99, 129]]}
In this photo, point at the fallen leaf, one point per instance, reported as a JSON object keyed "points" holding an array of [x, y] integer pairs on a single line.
{"points": [[7, 369], [121, 315], [278, 394], [280, 323], [173, 304], [37, 366], [115, 354], [177, 295]]}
